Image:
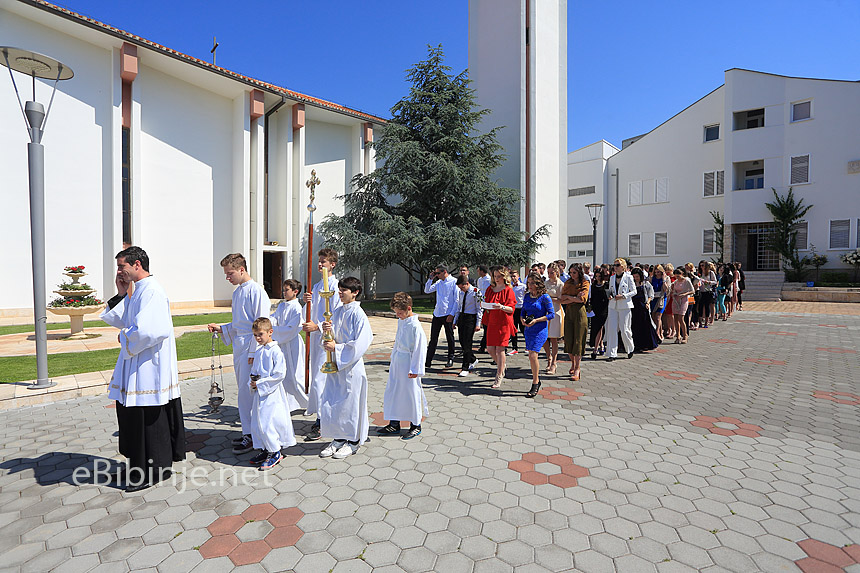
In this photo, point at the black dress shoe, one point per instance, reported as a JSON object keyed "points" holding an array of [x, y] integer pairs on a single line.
{"points": [[159, 477], [610, 359], [449, 364], [629, 355]]}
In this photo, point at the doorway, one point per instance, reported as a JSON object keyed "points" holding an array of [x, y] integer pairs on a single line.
{"points": [[273, 274]]}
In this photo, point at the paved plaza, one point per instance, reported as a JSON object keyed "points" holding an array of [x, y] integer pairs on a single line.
{"points": [[739, 451]]}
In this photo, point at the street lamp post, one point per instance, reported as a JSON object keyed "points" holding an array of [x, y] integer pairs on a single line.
{"points": [[35, 118], [594, 214]]}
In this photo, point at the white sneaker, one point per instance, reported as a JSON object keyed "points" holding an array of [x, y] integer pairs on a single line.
{"points": [[512, 352], [345, 450], [330, 449], [473, 364], [463, 373]]}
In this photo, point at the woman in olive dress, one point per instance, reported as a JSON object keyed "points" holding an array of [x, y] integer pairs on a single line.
{"points": [[574, 295]]}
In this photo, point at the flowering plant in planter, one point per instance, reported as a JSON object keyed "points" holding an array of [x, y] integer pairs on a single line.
{"points": [[74, 286], [75, 269], [852, 258], [75, 302]]}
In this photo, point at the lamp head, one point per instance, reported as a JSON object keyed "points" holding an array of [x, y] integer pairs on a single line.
{"points": [[594, 210]]}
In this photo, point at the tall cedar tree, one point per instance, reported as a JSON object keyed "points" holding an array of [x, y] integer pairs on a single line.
{"points": [[432, 199]]}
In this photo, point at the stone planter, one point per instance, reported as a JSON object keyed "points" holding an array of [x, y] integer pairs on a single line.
{"points": [[76, 316], [801, 292]]}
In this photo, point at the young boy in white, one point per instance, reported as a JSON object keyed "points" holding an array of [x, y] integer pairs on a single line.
{"points": [[327, 258], [271, 426], [404, 397], [287, 324], [250, 302], [343, 403]]}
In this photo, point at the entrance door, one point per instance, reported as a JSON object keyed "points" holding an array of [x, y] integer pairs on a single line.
{"points": [[273, 274], [755, 238]]}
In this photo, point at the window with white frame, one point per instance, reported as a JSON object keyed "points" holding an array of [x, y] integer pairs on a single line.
{"points": [[802, 230], [801, 110], [708, 243], [634, 193], [661, 243], [714, 183], [799, 169], [634, 245], [754, 179], [840, 233], [648, 191], [712, 132]]}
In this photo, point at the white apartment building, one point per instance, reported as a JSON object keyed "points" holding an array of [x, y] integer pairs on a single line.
{"points": [[725, 153], [186, 159]]}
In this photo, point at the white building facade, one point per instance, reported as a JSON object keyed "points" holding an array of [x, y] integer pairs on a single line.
{"points": [[518, 68], [186, 159], [725, 153]]}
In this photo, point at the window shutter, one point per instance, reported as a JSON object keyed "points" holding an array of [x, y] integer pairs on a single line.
{"points": [[663, 190], [634, 193], [649, 191], [661, 243], [709, 184], [633, 246], [801, 110], [721, 187], [802, 235], [708, 241], [840, 234], [800, 169]]}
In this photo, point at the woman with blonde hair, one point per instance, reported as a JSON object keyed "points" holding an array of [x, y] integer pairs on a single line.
{"points": [[554, 286], [668, 317], [499, 320]]}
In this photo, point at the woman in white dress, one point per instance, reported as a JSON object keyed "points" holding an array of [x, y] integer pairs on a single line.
{"points": [[556, 326]]}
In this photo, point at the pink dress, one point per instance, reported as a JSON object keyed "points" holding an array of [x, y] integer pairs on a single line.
{"points": [[681, 290]]}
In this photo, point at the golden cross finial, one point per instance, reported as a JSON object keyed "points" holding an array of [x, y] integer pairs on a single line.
{"points": [[312, 183]]}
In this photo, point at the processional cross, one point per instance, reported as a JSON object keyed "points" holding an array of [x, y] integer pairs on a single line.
{"points": [[312, 185]]}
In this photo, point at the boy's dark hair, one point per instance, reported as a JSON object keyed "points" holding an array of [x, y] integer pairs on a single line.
{"points": [[462, 280], [132, 254], [234, 261], [350, 283], [441, 268], [328, 254], [262, 324], [401, 301], [294, 285], [483, 269]]}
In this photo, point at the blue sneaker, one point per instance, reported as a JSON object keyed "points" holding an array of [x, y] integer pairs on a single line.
{"points": [[259, 458], [272, 460]]}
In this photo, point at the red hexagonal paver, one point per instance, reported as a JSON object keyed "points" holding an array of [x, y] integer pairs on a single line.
{"points": [[853, 551], [676, 375], [766, 361], [741, 429], [521, 466], [249, 552], [575, 471], [562, 480], [723, 341], [286, 516], [283, 536], [836, 350], [534, 458], [839, 397], [826, 552], [226, 524], [551, 393], [779, 333], [258, 512], [810, 565], [219, 546], [111, 405], [534, 478], [378, 419], [566, 478], [834, 325], [559, 459]]}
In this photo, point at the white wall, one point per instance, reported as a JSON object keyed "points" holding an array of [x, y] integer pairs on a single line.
{"points": [[77, 165], [587, 167]]}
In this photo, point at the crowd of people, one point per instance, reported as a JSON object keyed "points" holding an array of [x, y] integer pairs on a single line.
{"points": [[634, 307]]}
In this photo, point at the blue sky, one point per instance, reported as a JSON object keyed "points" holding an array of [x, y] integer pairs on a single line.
{"points": [[632, 64]]}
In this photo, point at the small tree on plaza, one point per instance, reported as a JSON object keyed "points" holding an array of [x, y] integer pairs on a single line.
{"points": [[719, 234], [432, 199], [787, 212]]}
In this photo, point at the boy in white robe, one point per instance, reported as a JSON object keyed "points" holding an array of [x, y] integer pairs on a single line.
{"points": [[250, 302], [271, 426], [404, 397], [287, 324], [326, 258], [343, 403]]}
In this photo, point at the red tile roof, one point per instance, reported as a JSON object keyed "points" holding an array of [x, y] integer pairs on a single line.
{"points": [[122, 34]]}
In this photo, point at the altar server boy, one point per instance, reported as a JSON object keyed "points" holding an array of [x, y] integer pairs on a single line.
{"points": [[404, 397], [326, 258], [343, 402], [250, 302], [271, 426], [287, 326]]}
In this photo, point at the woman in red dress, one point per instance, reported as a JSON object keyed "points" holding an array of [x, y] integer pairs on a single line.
{"points": [[499, 320]]}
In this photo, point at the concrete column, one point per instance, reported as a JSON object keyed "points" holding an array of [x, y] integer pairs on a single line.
{"points": [[300, 194], [240, 231]]}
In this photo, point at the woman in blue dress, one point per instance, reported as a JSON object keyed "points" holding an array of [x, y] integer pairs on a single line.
{"points": [[536, 313]]}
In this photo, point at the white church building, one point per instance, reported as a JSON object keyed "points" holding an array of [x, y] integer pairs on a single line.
{"points": [[186, 159], [725, 153]]}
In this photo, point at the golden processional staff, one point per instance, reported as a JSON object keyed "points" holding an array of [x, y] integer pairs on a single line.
{"points": [[312, 185]]}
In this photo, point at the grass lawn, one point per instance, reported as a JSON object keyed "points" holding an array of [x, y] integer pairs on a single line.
{"points": [[182, 320], [18, 368], [420, 306]]}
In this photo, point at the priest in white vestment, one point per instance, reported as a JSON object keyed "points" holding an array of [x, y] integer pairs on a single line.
{"points": [[287, 326], [343, 403], [145, 382]]}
